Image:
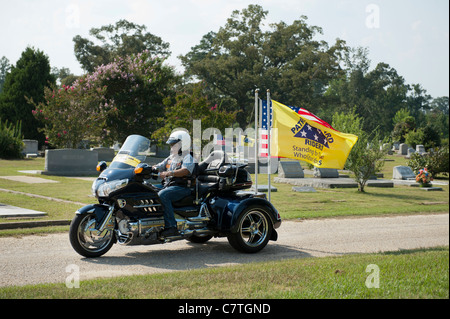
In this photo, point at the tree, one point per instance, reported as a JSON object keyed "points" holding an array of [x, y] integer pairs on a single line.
{"points": [[440, 104], [426, 136], [418, 101], [438, 116], [377, 94], [64, 76], [365, 158], [113, 41], [118, 99], [188, 105], [4, 69], [404, 123], [241, 57], [27, 79]]}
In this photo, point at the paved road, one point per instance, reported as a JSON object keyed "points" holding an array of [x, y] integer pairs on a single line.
{"points": [[44, 259]]}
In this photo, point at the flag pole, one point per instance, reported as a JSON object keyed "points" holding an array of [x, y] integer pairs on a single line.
{"points": [[256, 139], [269, 126]]}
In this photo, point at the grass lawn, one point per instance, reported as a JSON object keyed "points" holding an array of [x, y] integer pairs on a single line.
{"points": [[406, 275]]}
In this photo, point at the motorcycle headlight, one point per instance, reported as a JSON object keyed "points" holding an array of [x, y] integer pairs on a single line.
{"points": [[107, 188], [95, 185]]}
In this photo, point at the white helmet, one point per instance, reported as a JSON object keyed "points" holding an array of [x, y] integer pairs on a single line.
{"points": [[180, 136]]}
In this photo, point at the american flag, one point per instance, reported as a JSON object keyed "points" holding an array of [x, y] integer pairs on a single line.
{"points": [[264, 142], [218, 139], [263, 138]]}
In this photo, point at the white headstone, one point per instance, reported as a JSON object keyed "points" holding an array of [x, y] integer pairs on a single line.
{"points": [[420, 149]]}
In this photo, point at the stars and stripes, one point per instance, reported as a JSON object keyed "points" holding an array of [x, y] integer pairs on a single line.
{"points": [[264, 134]]}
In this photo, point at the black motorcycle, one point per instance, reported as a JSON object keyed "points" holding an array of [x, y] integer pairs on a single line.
{"points": [[130, 212]]}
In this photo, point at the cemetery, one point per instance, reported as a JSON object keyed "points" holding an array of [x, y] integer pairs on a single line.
{"points": [[355, 139]]}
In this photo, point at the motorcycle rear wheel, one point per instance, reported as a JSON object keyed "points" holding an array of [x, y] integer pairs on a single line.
{"points": [[254, 230], [85, 240]]}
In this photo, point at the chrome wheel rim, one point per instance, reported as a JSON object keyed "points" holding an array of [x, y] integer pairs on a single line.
{"points": [[254, 228], [89, 238]]}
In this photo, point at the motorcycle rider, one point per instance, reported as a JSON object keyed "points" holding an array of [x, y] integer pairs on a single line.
{"points": [[175, 171]]}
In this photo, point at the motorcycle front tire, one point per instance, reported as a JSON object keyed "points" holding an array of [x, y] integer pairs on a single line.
{"points": [[85, 240], [253, 232]]}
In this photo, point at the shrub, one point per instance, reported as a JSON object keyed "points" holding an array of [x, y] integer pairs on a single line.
{"points": [[365, 158], [426, 136], [11, 144], [436, 162]]}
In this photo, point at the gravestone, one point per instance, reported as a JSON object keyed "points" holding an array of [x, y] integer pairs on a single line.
{"points": [[290, 169], [304, 189], [31, 147], [410, 152], [262, 167], [420, 149], [104, 153], [395, 146], [325, 172], [403, 149], [387, 148], [403, 172], [70, 162]]}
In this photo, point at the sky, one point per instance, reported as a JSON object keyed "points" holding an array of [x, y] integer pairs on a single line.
{"points": [[411, 36]]}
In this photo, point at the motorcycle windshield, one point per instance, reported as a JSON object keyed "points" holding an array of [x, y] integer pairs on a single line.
{"points": [[134, 151]]}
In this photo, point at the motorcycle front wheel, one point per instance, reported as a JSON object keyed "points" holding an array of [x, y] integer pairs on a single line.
{"points": [[85, 240], [254, 230]]}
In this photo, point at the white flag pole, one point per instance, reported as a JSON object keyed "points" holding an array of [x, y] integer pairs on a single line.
{"points": [[256, 139], [269, 126]]}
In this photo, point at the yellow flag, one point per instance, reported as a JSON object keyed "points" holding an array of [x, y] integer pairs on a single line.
{"points": [[300, 135]]}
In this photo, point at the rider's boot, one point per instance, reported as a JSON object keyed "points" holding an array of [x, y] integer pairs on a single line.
{"points": [[169, 232]]}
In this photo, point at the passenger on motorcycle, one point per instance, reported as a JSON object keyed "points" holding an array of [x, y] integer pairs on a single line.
{"points": [[175, 171]]}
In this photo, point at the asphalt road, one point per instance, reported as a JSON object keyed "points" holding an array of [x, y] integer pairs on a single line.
{"points": [[50, 258]]}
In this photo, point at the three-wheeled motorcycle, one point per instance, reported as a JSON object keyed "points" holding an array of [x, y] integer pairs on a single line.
{"points": [[129, 211]]}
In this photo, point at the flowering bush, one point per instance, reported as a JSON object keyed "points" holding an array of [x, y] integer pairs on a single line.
{"points": [[424, 178], [71, 114], [118, 99]]}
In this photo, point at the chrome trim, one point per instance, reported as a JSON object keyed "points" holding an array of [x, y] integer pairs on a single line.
{"points": [[145, 206], [106, 220]]}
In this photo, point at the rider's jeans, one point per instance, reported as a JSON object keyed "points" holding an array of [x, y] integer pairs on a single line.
{"points": [[168, 196]]}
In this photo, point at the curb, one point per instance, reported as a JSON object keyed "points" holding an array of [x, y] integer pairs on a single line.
{"points": [[33, 224]]}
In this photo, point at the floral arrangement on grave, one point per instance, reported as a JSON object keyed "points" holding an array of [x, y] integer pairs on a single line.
{"points": [[424, 178]]}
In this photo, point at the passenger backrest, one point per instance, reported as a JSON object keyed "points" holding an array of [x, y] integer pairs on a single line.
{"points": [[213, 161]]}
